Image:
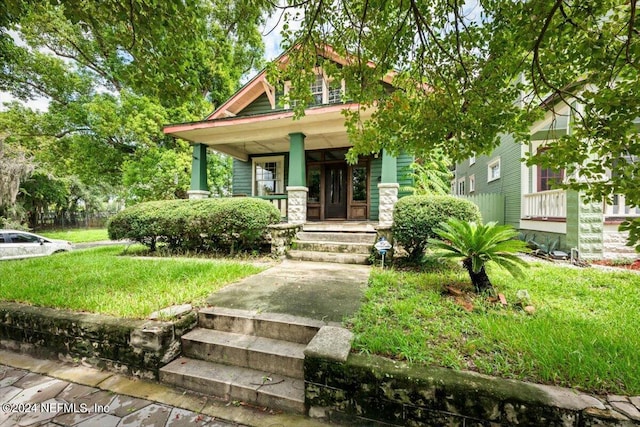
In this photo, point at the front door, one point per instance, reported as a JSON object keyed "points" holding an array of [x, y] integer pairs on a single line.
{"points": [[335, 191]]}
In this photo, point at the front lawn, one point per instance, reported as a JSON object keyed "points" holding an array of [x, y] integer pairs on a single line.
{"points": [[583, 333], [79, 235], [100, 281]]}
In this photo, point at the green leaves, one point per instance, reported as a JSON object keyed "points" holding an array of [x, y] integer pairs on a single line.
{"points": [[480, 244]]}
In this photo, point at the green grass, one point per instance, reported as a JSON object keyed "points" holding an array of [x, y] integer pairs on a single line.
{"points": [[100, 281], [78, 235], [583, 334]]}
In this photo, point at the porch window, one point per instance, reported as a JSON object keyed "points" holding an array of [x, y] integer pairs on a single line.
{"points": [[493, 170], [268, 175], [549, 179]]}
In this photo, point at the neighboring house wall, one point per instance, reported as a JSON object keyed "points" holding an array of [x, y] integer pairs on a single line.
{"points": [[509, 154]]}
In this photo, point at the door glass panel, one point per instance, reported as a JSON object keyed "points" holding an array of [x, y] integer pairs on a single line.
{"points": [[313, 182], [336, 186], [359, 184]]}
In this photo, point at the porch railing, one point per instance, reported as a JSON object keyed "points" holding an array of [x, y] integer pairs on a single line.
{"points": [[619, 209], [279, 201], [545, 204]]}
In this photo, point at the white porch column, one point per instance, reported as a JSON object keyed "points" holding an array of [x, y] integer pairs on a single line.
{"points": [[198, 194], [297, 204], [388, 199]]}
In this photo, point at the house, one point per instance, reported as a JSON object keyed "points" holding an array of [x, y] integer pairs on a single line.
{"points": [[297, 164], [529, 199]]}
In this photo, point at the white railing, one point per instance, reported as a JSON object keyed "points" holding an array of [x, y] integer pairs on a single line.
{"points": [[619, 209], [545, 204]]}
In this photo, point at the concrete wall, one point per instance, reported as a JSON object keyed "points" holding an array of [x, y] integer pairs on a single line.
{"points": [[133, 347], [372, 391]]}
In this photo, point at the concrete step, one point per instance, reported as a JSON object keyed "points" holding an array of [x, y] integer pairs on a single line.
{"points": [[268, 325], [338, 247], [262, 388], [248, 351], [328, 257], [340, 226], [334, 236]]}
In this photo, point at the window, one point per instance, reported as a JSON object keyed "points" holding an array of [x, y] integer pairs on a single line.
{"points": [[23, 238], [359, 184], [493, 170], [324, 90], [268, 175], [548, 178], [317, 89], [472, 183], [472, 159], [313, 182], [453, 186], [461, 182], [335, 92]]}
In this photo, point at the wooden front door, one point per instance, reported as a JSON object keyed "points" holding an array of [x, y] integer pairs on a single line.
{"points": [[335, 191]]}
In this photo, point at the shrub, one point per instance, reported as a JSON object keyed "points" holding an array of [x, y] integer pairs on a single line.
{"points": [[416, 217], [229, 224]]}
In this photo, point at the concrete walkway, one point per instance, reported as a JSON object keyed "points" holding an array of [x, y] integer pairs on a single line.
{"points": [[317, 290]]}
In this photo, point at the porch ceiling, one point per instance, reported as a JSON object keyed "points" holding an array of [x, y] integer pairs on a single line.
{"points": [[269, 133]]}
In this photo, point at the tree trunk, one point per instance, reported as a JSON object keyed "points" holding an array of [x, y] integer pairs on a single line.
{"points": [[480, 279]]}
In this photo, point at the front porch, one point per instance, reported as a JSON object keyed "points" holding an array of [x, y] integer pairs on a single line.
{"points": [[298, 165], [591, 227]]}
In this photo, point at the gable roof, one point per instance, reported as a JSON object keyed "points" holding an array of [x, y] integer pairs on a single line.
{"points": [[259, 85]]}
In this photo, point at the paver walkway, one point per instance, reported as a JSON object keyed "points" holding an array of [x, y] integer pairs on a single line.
{"points": [[30, 399]]}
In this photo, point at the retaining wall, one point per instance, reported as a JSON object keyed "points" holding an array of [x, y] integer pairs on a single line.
{"points": [[373, 391], [133, 347]]}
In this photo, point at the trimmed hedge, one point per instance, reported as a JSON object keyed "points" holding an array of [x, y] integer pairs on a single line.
{"points": [[415, 217], [228, 224]]}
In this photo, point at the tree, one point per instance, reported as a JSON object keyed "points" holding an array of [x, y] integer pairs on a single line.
{"points": [[15, 166], [114, 72], [477, 244], [466, 74]]}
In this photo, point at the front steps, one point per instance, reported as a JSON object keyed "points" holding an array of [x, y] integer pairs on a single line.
{"points": [[245, 356], [339, 243]]}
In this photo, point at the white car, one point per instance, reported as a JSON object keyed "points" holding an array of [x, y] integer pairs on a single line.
{"points": [[16, 244]]}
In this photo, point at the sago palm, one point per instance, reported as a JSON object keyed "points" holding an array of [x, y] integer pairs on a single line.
{"points": [[477, 244]]}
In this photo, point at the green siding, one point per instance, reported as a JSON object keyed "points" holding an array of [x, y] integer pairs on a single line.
{"points": [[508, 183], [403, 176], [241, 181], [260, 105]]}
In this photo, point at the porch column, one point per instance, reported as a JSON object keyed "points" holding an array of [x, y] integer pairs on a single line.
{"points": [[297, 184], [388, 188], [199, 187], [584, 226]]}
